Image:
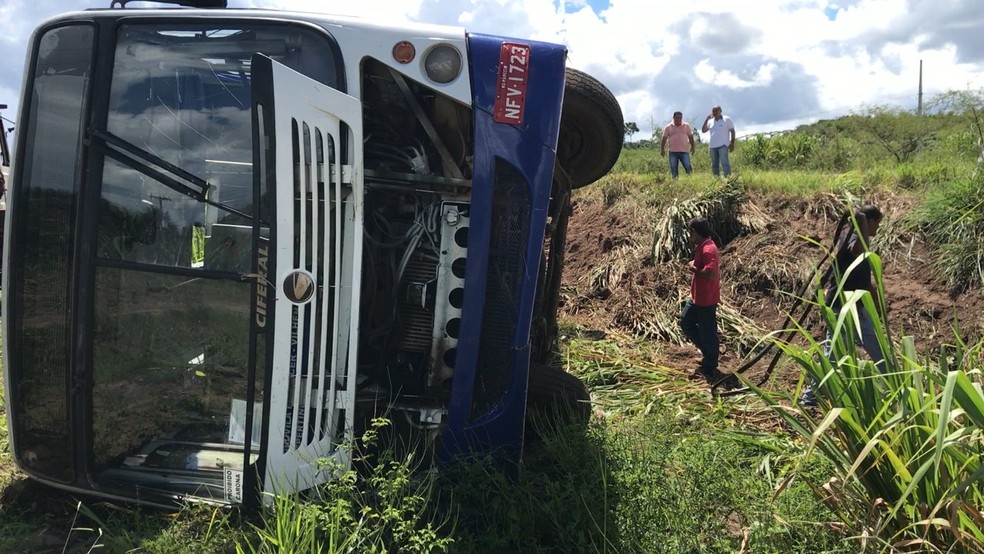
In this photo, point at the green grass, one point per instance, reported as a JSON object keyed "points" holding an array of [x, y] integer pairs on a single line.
{"points": [[667, 479], [645, 170], [905, 442], [952, 217], [666, 471], [662, 467]]}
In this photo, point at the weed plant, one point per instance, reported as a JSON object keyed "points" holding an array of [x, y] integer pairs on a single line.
{"points": [[384, 510], [659, 482], [904, 440], [952, 216]]}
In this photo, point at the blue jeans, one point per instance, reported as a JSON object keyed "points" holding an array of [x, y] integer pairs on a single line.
{"points": [[676, 158], [868, 340], [699, 324], [719, 157]]}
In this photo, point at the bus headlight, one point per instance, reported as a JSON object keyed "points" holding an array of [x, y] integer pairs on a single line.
{"points": [[442, 63]]}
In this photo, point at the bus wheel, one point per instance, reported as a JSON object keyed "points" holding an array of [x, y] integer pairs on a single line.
{"points": [[555, 399], [591, 129]]}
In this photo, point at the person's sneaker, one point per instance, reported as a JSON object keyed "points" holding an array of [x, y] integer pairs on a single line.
{"points": [[717, 379], [727, 381], [709, 375]]}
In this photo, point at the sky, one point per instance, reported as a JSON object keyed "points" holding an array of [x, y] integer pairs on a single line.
{"points": [[771, 64]]}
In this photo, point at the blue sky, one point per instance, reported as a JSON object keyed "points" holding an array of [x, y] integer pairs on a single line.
{"points": [[597, 6], [772, 64]]}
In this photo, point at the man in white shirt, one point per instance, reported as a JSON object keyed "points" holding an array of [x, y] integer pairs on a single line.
{"points": [[722, 140]]}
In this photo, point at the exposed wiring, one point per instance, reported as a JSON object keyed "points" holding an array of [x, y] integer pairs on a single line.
{"points": [[415, 425]]}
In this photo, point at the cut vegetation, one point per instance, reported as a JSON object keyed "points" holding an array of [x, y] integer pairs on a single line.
{"points": [[887, 463]]}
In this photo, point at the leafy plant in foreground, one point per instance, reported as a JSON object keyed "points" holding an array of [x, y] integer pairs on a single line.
{"points": [[381, 511], [905, 442]]}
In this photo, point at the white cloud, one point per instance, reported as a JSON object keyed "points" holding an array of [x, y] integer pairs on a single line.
{"points": [[391, 9], [707, 73], [772, 64]]}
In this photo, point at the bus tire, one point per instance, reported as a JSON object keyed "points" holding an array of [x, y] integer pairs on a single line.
{"points": [[554, 399], [591, 129]]}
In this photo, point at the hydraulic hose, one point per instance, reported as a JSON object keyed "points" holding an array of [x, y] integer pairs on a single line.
{"points": [[789, 319]]}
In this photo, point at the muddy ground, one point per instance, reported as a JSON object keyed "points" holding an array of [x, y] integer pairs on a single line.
{"points": [[611, 281]]}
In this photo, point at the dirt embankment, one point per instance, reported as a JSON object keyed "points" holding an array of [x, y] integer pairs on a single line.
{"points": [[610, 280]]}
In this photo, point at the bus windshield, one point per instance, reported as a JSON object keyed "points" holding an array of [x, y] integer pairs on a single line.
{"points": [[182, 95], [177, 219], [132, 345]]}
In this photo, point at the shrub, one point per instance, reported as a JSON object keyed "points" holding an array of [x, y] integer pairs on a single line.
{"points": [[381, 511], [955, 229], [904, 442]]}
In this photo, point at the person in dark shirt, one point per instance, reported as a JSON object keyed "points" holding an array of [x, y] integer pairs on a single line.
{"points": [[699, 317], [849, 248]]}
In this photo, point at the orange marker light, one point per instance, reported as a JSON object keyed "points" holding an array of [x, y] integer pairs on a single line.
{"points": [[404, 52]]}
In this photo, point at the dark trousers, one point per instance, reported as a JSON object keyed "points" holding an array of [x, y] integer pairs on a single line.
{"points": [[699, 324]]}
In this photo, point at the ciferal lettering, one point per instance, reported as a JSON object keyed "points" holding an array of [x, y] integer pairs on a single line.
{"points": [[263, 258], [293, 342]]}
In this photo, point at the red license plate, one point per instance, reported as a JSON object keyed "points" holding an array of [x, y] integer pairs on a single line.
{"points": [[510, 98]]}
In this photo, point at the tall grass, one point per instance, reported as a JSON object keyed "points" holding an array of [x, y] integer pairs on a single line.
{"points": [[384, 510], [952, 216], [905, 443], [798, 151], [660, 481]]}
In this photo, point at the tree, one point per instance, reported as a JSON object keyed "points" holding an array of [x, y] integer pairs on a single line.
{"points": [[657, 134], [630, 129], [900, 133], [957, 102]]}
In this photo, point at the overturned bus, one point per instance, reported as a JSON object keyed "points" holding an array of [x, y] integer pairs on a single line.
{"points": [[237, 236]]}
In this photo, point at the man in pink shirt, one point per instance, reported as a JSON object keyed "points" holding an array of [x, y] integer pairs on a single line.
{"points": [[699, 317], [678, 134]]}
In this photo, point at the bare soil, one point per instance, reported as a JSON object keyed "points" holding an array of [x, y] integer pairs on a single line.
{"points": [[762, 271]]}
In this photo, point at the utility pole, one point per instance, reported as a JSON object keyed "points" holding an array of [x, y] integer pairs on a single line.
{"points": [[919, 102]]}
